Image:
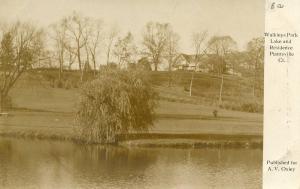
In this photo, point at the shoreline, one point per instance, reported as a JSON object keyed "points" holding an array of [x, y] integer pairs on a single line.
{"points": [[154, 140]]}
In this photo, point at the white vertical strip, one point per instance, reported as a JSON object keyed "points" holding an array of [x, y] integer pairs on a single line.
{"points": [[282, 98]]}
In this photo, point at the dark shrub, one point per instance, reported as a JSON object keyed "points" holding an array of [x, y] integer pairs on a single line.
{"points": [[58, 84], [215, 113], [252, 107]]}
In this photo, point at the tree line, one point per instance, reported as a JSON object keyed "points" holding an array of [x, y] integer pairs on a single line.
{"points": [[75, 42]]}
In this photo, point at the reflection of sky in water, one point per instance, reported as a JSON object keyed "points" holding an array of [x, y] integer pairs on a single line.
{"points": [[44, 164]]}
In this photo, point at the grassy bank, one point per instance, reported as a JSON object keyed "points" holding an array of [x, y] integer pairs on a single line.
{"points": [[43, 112], [150, 139], [237, 91], [192, 143], [191, 140]]}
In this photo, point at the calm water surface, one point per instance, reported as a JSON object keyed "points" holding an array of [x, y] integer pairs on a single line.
{"points": [[47, 164]]}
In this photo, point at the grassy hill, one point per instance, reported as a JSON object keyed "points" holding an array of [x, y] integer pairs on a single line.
{"points": [[43, 109], [237, 92]]}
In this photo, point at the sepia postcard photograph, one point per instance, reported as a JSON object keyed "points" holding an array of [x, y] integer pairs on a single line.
{"points": [[116, 94]]}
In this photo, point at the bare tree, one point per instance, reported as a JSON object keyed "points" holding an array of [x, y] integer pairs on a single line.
{"points": [[76, 26], [18, 53], [221, 46], [171, 51], [58, 34], [155, 41], [79, 32], [255, 52], [71, 56], [125, 50], [112, 35], [200, 47], [95, 37]]}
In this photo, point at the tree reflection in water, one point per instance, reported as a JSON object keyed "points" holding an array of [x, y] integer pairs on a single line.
{"points": [[48, 164]]}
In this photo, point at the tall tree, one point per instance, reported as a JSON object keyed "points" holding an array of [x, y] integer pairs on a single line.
{"points": [[155, 41], [58, 34], [125, 50], [76, 26], [221, 46], [112, 35], [171, 51], [71, 56], [93, 42], [199, 42], [255, 52], [19, 51]]}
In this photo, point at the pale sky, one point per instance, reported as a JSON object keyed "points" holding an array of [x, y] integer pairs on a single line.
{"points": [[241, 19]]}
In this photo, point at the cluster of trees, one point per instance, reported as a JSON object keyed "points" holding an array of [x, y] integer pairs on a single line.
{"points": [[160, 41], [224, 51], [255, 49], [20, 48], [75, 42], [76, 39]]}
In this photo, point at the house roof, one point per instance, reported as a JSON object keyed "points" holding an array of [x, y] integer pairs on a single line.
{"points": [[189, 58], [237, 56]]}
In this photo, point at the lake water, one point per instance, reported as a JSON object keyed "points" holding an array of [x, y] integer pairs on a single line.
{"points": [[48, 164]]}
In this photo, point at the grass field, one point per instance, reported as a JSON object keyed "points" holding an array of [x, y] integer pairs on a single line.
{"points": [[42, 110]]}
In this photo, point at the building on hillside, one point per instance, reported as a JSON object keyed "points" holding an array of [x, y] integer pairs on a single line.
{"points": [[185, 62], [238, 63], [190, 63], [234, 64], [211, 63]]}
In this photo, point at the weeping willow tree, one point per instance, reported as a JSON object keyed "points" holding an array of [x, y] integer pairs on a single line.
{"points": [[117, 102]]}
